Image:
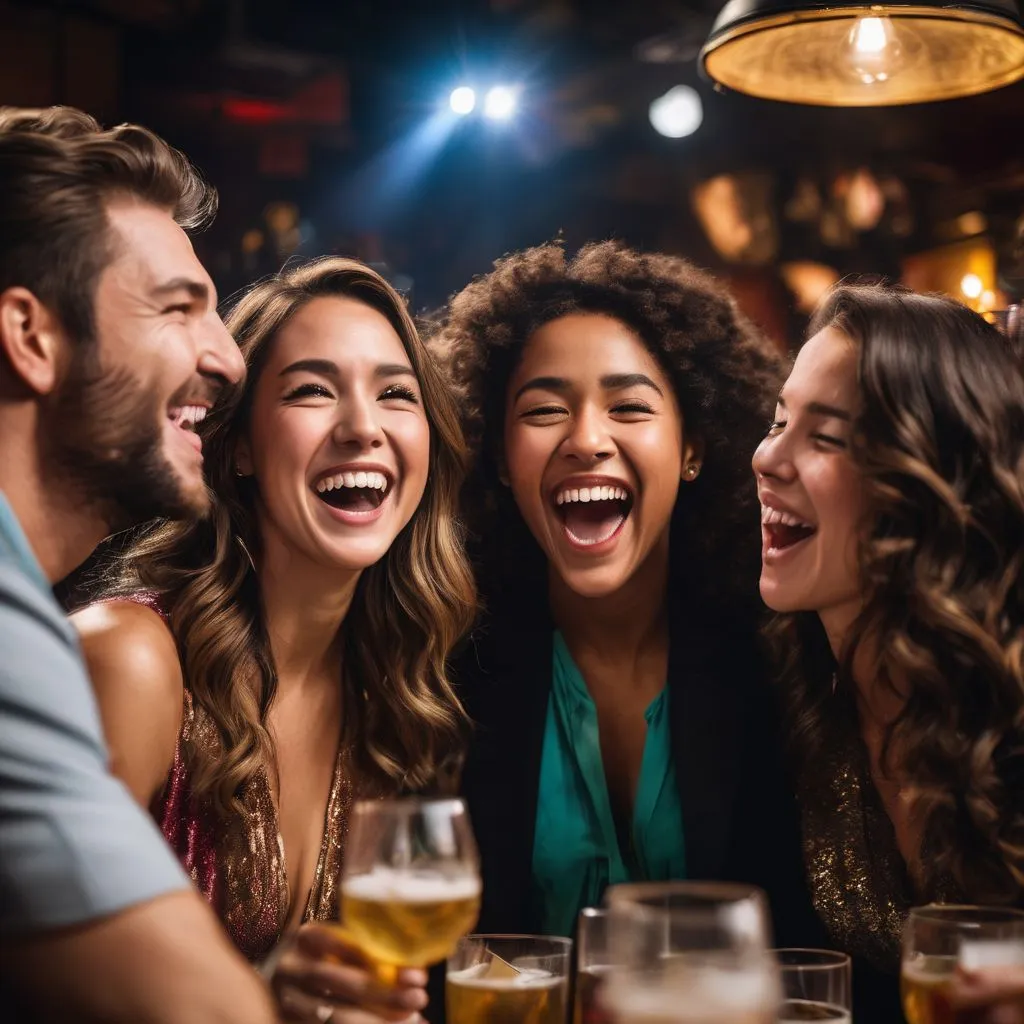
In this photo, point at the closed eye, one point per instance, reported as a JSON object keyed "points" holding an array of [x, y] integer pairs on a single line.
{"points": [[543, 410], [400, 393], [180, 307], [829, 439], [633, 407], [308, 391]]}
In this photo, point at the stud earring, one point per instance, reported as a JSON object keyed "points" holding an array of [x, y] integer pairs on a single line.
{"points": [[692, 470]]}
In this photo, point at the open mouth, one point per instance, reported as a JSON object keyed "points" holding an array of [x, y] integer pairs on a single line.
{"points": [[187, 419], [783, 530], [593, 515], [356, 494]]}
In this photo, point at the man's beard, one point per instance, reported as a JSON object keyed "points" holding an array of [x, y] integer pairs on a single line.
{"points": [[103, 443]]}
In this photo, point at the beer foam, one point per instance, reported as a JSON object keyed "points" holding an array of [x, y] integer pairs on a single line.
{"points": [[477, 977], [383, 884]]}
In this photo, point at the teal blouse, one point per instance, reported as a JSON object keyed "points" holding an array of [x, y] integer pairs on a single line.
{"points": [[576, 852]]}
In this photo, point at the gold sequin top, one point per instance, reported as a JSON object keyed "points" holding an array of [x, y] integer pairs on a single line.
{"points": [[239, 865], [858, 879]]}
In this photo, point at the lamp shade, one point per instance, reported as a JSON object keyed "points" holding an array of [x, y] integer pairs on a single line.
{"points": [[853, 54]]}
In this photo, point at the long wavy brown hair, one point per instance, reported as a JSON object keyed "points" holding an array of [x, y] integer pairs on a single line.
{"points": [[939, 440], [724, 372], [402, 717]]}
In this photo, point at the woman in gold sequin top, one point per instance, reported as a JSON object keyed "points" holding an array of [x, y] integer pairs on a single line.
{"points": [[892, 496], [288, 653]]}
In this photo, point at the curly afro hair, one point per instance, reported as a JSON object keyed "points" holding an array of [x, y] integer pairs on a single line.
{"points": [[725, 374]]}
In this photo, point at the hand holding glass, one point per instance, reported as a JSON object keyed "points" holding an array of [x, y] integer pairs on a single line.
{"points": [[938, 939], [410, 887]]}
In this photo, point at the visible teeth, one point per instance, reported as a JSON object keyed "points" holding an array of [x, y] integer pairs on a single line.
{"points": [[571, 494], [189, 414], [773, 516], [375, 481]]}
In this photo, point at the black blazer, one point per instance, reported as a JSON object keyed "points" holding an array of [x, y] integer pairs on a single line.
{"points": [[739, 816]]}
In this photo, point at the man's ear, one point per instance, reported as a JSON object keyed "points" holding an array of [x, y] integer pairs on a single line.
{"points": [[31, 339]]}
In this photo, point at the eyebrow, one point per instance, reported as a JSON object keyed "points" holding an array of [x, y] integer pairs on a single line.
{"points": [[329, 368], [618, 381], [197, 289], [610, 382], [821, 409]]}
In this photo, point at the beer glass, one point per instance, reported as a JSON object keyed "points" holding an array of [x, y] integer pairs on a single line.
{"points": [[410, 887], [592, 963], [815, 986], [939, 938], [690, 953], [518, 979]]}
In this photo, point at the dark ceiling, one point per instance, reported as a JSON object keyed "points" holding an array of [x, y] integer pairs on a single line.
{"points": [[319, 104]]}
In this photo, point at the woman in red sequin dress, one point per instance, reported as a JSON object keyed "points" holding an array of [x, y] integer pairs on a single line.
{"points": [[258, 670]]}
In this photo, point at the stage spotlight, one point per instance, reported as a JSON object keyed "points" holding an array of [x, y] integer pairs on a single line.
{"points": [[678, 113], [500, 103], [462, 100]]}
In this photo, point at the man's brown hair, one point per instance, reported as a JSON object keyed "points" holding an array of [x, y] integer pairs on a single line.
{"points": [[58, 170]]}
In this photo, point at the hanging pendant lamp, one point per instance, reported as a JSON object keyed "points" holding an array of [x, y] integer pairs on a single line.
{"points": [[854, 54]]}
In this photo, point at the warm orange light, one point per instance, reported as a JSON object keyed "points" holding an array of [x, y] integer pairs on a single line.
{"points": [[857, 54]]}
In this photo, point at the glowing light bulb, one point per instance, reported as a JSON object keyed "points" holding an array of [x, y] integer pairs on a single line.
{"points": [[870, 35], [971, 285], [501, 102], [462, 100], [874, 50], [678, 113]]}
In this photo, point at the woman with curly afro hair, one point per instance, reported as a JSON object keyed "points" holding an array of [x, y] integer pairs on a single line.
{"points": [[892, 493], [624, 724]]}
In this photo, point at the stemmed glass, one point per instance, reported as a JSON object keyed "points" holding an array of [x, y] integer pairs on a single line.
{"points": [[410, 887]]}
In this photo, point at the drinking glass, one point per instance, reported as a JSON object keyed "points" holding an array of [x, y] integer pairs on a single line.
{"points": [[815, 986], [519, 979], [410, 887], [690, 953], [592, 962], [941, 937]]}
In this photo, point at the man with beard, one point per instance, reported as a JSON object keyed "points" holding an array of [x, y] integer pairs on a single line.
{"points": [[110, 351]]}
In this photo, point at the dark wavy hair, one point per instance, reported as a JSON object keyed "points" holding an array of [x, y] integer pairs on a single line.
{"points": [[402, 719], [939, 440], [725, 375]]}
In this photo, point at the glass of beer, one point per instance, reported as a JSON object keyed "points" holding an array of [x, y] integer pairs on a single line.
{"points": [[592, 963], [815, 986], [508, 979], [690, 953], [939, 938], [410, 887]]}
